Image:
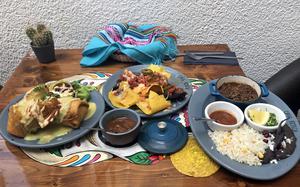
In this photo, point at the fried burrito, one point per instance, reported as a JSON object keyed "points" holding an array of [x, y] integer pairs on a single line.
{"points": [[40, 108]]}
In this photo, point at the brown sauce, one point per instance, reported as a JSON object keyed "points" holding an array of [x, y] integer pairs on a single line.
{"points": [[120, 125], [238, 92], [223, 117]]}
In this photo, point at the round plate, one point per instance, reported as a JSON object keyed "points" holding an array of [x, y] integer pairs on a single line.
{"points": [[74, 134], [197, 104], [166, 141], [177, 79]]}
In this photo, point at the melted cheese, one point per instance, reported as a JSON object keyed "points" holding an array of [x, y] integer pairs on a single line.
{"points": [[23, 107]]}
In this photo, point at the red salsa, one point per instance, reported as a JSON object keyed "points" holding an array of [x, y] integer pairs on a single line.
{"points": [[120, 125], [223, 117]]}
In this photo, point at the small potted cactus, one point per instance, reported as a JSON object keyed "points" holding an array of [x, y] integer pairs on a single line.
{"points": [[42, 43]]}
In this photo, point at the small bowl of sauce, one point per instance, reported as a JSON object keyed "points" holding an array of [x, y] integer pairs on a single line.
{"points": [[225, 115], [120, 126]]}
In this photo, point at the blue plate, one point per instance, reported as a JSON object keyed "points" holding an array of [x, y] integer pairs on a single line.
{"points": [[197, 104], [73, 135], [177, 79]]}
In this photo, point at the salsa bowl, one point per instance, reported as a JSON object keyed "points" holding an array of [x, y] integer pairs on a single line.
{"points": [[113, 126], [222, 106]]}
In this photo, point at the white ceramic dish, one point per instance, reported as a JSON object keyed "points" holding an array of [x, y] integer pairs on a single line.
{"points": [[228, 107], [269, 108]]}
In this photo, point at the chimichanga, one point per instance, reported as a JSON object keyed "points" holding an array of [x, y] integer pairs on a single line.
{"points": [[16, 127], [30, 115], [76, 113], [40, 108]]}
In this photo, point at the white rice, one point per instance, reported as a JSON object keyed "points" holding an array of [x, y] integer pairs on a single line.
{"points": [[243, 144]]}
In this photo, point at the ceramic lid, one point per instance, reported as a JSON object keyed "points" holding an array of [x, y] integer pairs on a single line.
{"points": [[162, 136]]}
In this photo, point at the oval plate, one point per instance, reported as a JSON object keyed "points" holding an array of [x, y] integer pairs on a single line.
{"points": [[197, 104], [177, 79], [72, 135]]}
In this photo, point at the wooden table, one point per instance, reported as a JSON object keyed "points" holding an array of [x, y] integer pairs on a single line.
{"points": [[16, 169]]}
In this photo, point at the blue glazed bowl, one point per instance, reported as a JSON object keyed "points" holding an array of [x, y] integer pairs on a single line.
{"points": [[260, 88], [124, 138]]}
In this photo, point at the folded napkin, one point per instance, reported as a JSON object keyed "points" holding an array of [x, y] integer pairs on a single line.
{"points": [[146, 44], [206, 61]]}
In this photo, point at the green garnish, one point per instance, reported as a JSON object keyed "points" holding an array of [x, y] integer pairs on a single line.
{"points": [[76, 85], [40, 87], [147, 72], [272, 120], [40, 91], [82, 91]]}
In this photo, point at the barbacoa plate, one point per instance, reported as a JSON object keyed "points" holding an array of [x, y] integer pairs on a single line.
{"points": [[201, 98]]}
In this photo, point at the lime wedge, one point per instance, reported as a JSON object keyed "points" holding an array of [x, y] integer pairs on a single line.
{"points": [[258, 116]]}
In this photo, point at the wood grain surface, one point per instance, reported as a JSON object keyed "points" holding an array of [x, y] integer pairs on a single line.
{"points": [[16, 169]]}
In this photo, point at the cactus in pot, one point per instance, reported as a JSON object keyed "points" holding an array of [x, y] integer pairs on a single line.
{"points": [[40, 28], [42, 43]]}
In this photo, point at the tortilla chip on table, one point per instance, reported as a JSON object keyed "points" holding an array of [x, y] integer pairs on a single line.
{"points": [[192, 161]]}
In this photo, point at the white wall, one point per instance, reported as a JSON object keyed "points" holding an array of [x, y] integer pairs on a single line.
{"points": [[265, 33]]}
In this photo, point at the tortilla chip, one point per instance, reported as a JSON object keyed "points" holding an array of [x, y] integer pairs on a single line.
{"points": [[158, 102], [129, 97], [144, 106], [192, 161], [153, 104], [126, 99], [116, 100]]}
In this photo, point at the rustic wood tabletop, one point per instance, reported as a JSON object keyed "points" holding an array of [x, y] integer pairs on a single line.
{"points": [[17, 169]]}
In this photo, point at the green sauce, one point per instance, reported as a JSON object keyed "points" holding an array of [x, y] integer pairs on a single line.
{"points": [[55, 130], [91, 111], [49, 133]]}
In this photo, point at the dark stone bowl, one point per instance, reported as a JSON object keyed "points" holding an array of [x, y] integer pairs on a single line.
{"points": [[120, 139]]}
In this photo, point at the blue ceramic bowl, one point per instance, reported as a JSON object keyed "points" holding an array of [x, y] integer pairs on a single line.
{"points": [[260, 88], [124, 138]]}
